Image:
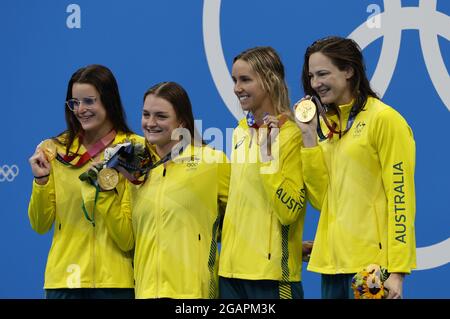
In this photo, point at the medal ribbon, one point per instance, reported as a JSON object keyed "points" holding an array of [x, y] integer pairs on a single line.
{"points": [[251, 122], [85, 212], [282, 118], [332, 127], [90, 153]]}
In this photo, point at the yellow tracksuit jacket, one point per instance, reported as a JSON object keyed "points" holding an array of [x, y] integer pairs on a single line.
{"points": [[176, 216], [263, 224], [81, 255], [369, 200]]}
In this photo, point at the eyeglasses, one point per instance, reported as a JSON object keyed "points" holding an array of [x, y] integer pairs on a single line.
{"points": [[74, 104]]}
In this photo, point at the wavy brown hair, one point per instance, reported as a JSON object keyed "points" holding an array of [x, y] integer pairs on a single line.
{"points": [[344, 54]]}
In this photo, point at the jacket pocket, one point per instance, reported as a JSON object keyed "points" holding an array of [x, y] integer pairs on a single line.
{"points": [[375, 211], [269, 246]]}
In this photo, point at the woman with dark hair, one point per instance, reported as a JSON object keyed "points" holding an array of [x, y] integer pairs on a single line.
{"points": [[261, 253], [176, 212], [368, 151], [84, 260]]}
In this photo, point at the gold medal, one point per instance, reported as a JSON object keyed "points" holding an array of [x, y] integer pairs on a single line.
{"points": [[49, 149], [108, 178], [305, 111]]}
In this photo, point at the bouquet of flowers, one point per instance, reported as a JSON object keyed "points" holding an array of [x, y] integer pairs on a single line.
{"points": [[369, 283], [132, 160]]}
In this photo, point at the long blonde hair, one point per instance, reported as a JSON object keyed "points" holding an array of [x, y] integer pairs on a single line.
{"points": [[267, 64]]}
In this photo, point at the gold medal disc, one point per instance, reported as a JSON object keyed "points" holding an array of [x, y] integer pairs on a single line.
{"points": [[305, 111], [49, 149], [108, 178]]}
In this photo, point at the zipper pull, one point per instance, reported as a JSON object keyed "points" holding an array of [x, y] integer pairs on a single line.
{"points": [[164, 172]]}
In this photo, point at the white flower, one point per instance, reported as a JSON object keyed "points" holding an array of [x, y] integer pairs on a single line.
{"points": [[111, 151], [374, 282], [374, 269]]}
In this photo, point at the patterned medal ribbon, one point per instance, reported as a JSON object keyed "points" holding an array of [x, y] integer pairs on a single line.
{"points": [[90, 153], [251, 122], [332, 127]]}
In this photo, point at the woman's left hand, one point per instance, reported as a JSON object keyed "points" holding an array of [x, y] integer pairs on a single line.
{"points": [[395, 286]]}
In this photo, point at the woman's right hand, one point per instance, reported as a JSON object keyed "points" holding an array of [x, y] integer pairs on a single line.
{"points": [[309, 130], [307, 247], [40, 166]]}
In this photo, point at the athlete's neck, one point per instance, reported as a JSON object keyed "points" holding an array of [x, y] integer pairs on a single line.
{"points": [[93, 136], [163, 150], [259, 113]]}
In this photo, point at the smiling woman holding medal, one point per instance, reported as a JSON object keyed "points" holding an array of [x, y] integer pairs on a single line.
{"points": [[368, 151], [177, 211], [84, 260], [261, 254]]}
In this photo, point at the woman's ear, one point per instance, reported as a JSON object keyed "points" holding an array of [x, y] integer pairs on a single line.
{"points": [[349, 72]]}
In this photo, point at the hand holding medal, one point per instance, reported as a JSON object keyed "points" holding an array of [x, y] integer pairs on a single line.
{"points": [[40, 161], [305, 116], [265, 136], [305, 110], [48, 147], [268, 132]]}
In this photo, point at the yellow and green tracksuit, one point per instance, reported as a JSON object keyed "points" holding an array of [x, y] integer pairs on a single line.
{"points": [[176, 216], [81, 255], [368, 207], [263, 224]]}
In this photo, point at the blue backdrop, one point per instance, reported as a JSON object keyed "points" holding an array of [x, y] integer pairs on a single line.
{"points": [[406, 45]]}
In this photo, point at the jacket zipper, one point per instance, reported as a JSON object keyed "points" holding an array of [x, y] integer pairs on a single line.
{"points": [[236, 157], [93, 256], [378, 229], [334, 209], [199, 265], [159, 196]]}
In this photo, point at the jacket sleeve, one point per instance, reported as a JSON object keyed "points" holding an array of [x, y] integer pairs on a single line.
{"points": [[42, 206], [115, 208], [282, 176], [396, 150], [315, 175]]}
